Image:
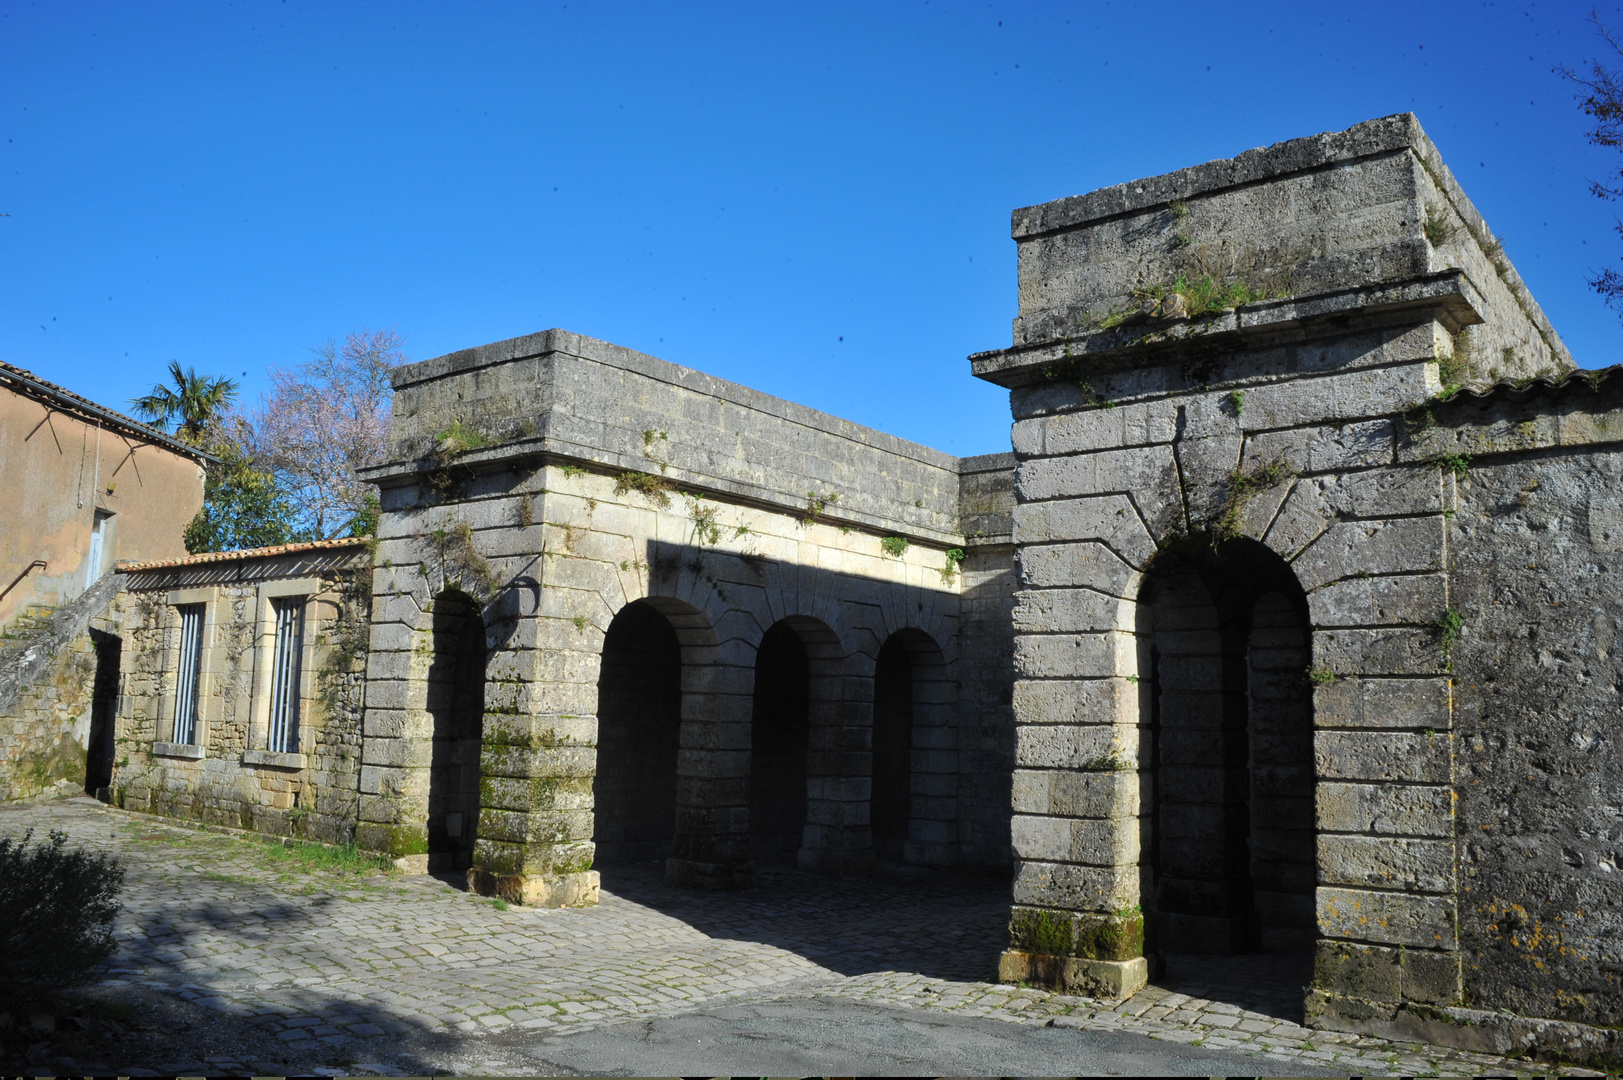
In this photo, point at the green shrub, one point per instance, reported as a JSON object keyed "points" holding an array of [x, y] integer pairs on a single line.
{"points": [[56, 914]]}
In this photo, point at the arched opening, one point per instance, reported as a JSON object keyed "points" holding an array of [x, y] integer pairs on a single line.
{"points": [[1227, 740], [456, 706], [780, 729], [639, 727], [915, 770]]}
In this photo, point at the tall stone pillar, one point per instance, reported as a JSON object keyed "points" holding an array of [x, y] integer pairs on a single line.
{"points": [[537, 765]]}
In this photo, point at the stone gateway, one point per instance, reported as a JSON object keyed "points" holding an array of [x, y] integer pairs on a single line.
{"points": [[1289, 624]]}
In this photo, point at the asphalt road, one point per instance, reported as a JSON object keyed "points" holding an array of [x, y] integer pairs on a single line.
{"points": [[824, 1037]]}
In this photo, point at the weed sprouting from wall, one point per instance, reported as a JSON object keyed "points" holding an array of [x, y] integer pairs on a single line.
{"points": [[526, 512], [458, 439], [894, 546], [1449, 627], [1235, 400], [458, 564], [1438, 228], [1243, 486], [949, 568], [1454, 371], [705, 529], [1458, 464], [1321, 677], [816, 503], [653, 488]]}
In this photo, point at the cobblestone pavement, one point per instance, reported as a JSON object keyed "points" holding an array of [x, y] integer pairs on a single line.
{"points": [[408, 974]]}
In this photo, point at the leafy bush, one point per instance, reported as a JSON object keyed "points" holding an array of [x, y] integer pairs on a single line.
{"points": [[56, 913]]}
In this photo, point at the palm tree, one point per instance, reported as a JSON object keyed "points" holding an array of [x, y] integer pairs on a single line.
{"points": [[194, 401]]}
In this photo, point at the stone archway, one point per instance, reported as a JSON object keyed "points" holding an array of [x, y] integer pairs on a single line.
{"points": [[1227, 742], [639, 722], [455, 702]]}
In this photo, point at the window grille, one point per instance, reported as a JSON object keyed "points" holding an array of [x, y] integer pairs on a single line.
{"points": [[284, 710], [189, 678]]}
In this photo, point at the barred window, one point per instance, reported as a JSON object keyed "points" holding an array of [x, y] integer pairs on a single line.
{"points": [[189, 677], [284, 704]]}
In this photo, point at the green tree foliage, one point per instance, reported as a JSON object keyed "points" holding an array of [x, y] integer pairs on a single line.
{"points": [[243, 507], [1601, 99], [193, 403], [56, 914]]}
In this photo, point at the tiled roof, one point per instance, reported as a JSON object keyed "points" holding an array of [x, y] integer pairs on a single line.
{"points": [[1567, 382], [248, 553], [29, 383]]}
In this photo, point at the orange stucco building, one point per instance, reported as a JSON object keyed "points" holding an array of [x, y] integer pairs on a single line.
{"points": [[85, 487]]}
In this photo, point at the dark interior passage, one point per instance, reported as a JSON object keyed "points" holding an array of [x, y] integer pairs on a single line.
{"points": [[1281, 742], [1228, 736], [891, 805], [639, 726], [456, 704], [103, 710], [780, 726]]}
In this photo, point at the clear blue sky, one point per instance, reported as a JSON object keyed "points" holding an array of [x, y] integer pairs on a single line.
{"points": [[812, 200]]}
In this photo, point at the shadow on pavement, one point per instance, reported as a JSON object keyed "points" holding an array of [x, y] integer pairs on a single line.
{"points": [[933, 923], [1273, 984]]}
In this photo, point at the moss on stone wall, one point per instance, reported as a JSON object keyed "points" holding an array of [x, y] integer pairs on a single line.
{"points": [[1118, 936]]}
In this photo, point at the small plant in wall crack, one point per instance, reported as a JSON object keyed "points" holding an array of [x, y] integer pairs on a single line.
{"points": [[1438, 229], [653, 488], [1449, 627], [1235, 400], [457, 563], [894, 546], [1321, 676], [705, 529], [1242, 487], [1458, 464], [949, 568], [816, 503]]}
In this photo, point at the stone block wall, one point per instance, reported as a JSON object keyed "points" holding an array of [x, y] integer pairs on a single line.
{"points": [[227, 774], [1312, 442], [1535, 560], [597, 478]]}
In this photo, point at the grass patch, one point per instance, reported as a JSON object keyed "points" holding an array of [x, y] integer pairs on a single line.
{"points": [[309, 857], [458, 439]]}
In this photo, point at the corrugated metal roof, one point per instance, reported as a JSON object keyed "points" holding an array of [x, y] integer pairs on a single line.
{"points": [[247, 553]]}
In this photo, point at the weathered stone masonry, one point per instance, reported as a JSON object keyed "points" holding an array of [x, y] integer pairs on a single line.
{"points": [[1290, 623], [554, 481], [1434, 796], [226, 772]]}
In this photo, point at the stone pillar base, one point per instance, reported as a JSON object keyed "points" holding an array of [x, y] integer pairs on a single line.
{"points": [[710, 876], [1112, 979], [1501, 1034], [536, 890]]}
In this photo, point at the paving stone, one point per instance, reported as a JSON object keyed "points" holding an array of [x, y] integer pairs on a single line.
{"points": [[647, 950]]}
